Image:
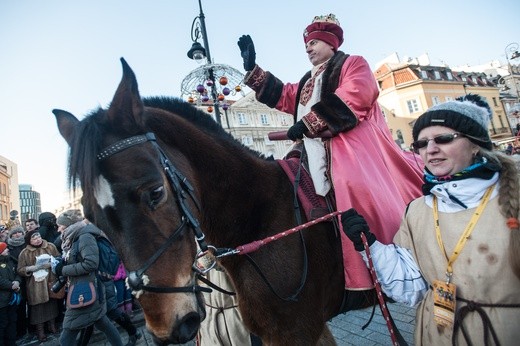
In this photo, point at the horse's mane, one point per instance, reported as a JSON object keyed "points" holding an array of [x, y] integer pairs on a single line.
{"points": [[89, 134]]}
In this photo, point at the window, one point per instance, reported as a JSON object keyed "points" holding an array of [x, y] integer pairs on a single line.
{"points": [[424, 75], [450, 76], [267, 140], [436, 100], [412, 106], [495, 102], [247, 140], [474, 79], [437, 74], [242, 119], [284, 120], [449, 98], [264, 119], [464, 79]]}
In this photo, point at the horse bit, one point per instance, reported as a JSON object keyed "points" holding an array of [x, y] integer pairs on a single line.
{"points": [[206, 257]]}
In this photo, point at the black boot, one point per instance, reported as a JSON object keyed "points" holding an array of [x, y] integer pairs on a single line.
{"points": [[40, 332], [132, 339]]}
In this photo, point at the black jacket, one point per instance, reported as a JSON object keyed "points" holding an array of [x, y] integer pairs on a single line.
{"points": [[8, 274]]}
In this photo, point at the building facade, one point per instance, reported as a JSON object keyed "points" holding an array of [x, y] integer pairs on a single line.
{"points": [[9, 194], [5, 198], [408, 89], [30, 203]]}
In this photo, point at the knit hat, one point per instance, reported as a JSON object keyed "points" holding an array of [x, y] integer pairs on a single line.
{"points": [[468, 115], [324, 28], [69, 217], [46, 217], [29, 234], [14, 230], [3, 246]]}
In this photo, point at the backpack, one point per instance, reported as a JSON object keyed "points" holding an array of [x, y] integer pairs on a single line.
{"points": [[108, 258]]}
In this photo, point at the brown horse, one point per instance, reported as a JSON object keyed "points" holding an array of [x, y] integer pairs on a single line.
{"points": [[157, 176]]}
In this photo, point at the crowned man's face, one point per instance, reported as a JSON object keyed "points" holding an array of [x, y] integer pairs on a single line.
{"points": [[318, 51]]}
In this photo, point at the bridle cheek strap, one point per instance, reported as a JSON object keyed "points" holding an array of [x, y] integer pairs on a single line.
{"points": [[137, 280]]}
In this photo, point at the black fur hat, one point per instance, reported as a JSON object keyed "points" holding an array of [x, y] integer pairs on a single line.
{"points": [[468, 115]]}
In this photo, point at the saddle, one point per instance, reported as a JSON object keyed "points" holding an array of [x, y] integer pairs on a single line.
{"points": [[313, 205]]}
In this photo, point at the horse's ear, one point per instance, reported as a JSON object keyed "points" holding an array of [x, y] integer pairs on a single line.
{"points": [[66, 124], [126, 110]]}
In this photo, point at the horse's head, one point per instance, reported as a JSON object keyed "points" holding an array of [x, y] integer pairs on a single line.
{"points": [[141, 196]]}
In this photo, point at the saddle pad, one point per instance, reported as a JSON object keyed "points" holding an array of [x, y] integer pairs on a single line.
{"points": [[312, 204]]}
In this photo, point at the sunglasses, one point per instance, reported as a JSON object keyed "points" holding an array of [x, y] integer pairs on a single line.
{"points": [[440, 139]]}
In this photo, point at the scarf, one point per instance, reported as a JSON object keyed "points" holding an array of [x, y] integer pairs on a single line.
{"points": [[69, 235], [482, 170]]}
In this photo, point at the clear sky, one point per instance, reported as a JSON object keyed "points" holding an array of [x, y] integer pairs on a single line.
{"points": [[65, 54]]}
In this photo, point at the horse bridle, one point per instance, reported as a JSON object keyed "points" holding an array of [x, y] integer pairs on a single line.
{"points": [[137, 280]]}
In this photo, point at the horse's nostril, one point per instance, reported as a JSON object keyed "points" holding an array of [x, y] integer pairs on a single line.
{"points": [[188, 327]]}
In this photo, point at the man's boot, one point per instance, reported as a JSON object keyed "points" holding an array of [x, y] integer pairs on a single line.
{"points": [[52, 327], [40, 332]]}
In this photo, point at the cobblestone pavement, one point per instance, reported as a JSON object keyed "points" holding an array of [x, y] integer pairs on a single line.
{"points": [[346, 329]]}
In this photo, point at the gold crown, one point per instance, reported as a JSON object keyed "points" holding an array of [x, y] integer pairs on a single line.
{"points": [[329, 18]]}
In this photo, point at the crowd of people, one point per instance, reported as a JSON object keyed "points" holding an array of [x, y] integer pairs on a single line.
{"points": [[58, 252]]}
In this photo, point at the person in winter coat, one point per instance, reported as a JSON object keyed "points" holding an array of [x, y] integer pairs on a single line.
{"points": [[80, 262], [9, 297], [38, 277], [360, 166], [16, 243], [456, 253]]}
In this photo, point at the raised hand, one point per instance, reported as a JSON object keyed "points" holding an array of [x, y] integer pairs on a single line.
{"points": [[247, 51]]}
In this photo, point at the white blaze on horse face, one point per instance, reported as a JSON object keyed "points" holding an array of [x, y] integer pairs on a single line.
{"points": [[103, 193]]}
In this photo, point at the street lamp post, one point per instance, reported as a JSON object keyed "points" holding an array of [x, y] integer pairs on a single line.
{"points": [[214, 76], [205, 52], [512, 49]]}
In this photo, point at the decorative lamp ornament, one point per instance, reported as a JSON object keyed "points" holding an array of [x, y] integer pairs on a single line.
{"points": [[210, 109], [205, 98], [190, 99], [220, 97], [226, 91], [238, 88], [223, 80], [200, 88], [209, 82], [225, 106]]}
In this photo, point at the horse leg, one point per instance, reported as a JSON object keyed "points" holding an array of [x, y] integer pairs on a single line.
{"points": [[326, 338]]}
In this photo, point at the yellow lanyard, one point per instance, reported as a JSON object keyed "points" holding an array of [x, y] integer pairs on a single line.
{"points": [[465, 234]]}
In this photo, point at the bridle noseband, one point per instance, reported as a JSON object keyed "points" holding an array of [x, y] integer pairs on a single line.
{"points": [[137, 280]]}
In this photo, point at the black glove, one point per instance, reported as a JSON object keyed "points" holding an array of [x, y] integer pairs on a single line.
{"points": [[355, 224], [58, 269], [297, 130], [247, 51]]}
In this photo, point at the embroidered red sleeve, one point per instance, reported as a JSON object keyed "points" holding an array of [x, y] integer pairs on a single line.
{"points": [[255, 79], [314, 123]]}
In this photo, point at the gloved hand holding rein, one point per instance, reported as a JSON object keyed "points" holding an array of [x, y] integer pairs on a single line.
{"points": [[355, 224], [297, 130]]}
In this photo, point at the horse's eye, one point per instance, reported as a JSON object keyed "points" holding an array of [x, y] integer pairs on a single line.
{"points": [[156, 196]]}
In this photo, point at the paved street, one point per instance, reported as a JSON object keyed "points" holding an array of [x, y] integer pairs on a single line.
{"points": [[346, 328]]}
